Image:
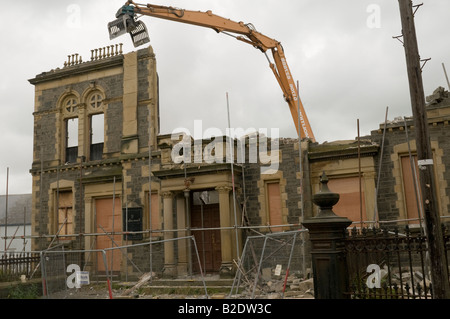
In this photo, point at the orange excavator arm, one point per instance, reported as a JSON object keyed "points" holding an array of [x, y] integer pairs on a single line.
{"points": [[242, 32]]}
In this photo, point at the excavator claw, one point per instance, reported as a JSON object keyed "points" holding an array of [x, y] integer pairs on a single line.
{"points": [[139, 34], [126, 23]]}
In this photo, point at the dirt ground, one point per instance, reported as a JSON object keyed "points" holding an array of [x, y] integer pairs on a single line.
{"points": [[102, 292], [97, 293]]}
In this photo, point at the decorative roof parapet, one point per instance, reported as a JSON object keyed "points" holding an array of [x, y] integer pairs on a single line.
{"points": [[106, 52], [105, 57], [96, 54], [74, 61]]}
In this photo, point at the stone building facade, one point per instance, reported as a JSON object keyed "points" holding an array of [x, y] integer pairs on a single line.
{"points": [[397, 198], [386, 161], [92, 168], [91, 145], [94, 172]]}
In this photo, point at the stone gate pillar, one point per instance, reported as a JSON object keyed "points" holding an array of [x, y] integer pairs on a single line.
{"points": [[327, 233]]}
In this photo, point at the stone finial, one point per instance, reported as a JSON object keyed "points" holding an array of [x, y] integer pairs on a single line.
{"points": [[325, 199]]}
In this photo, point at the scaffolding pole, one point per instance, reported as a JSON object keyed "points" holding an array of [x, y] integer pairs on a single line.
{"points": [[359, 176], [375, 213], [150, 190], [232, 177], [112, 238], [24, 228], [6, 207], [198, 229], [156, 231], [302, 210], [446, 77]]}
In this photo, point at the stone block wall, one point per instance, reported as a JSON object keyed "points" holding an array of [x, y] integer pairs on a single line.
{"points": [[129, 170], [390, 201], [288, 176]]}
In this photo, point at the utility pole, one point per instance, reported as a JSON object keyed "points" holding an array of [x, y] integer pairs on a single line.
{"points": [[446, 77], [439, 271]]}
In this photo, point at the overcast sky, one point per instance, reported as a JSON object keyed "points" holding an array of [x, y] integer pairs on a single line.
{"points": [[342, 53]]}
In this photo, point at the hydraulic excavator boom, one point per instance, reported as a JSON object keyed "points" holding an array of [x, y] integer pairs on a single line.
{"points": [[127, 22]]}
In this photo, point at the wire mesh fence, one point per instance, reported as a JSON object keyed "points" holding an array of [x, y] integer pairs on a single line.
{"points": [[108, 273], [269, 262], [68, 274]]}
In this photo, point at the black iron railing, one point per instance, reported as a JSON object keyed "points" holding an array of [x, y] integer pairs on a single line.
{"points": [[389, 264]]}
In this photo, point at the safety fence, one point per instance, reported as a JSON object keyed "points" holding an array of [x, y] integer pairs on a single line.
{"points": [[389, 263], [91, 274], [268, 262]]}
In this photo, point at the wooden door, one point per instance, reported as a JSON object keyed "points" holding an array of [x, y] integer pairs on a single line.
{"points": [[208, 241], [106, 223]]}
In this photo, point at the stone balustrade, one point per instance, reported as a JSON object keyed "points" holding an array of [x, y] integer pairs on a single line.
{"points": [[96, 54]]}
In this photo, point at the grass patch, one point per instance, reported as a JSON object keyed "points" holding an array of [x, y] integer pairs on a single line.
{"points": [[29, 291]]}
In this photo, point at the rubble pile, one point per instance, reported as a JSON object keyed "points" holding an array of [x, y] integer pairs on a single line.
{"points": [[271, 286]]}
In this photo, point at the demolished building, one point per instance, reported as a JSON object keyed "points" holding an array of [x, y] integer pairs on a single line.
{"points": [[104, 174]]}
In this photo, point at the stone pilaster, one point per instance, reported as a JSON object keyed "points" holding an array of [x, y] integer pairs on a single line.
{"points": [[182, 244], [169, 258], [226, 269]]}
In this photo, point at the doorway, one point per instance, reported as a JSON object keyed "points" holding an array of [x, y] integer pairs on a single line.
{"points": [[205, 213]]}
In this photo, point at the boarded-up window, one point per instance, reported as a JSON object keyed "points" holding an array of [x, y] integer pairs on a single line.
{"points": [[155, 217], [411, 187], [274, 205], [65, 214], [350, 205]]}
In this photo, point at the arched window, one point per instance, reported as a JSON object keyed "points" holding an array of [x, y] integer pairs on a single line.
{"points": [[71, 140], [70, 110], [94, 101], [97, 136]]}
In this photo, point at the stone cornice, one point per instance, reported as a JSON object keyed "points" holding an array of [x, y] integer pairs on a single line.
{"points": [[78, 69], [196, 170], [52, 166], [330, 152]]}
